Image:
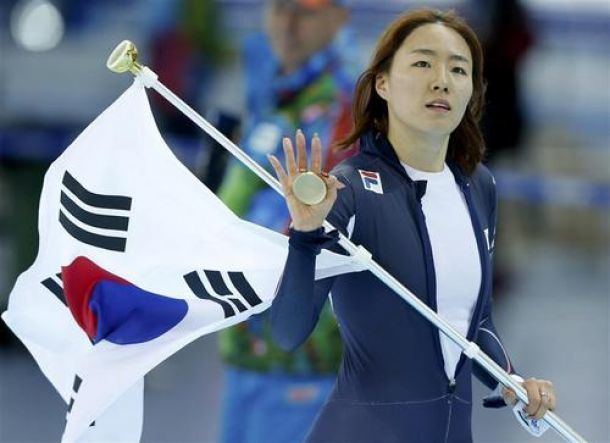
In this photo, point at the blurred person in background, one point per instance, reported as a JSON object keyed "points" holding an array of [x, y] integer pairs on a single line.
{"points": [[187, 46], [297, 77], [506, 36], [419, 199], [506, 40], [505, 45]]}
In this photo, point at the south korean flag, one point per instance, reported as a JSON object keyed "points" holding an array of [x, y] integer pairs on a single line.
{"points": [[136, 259]]}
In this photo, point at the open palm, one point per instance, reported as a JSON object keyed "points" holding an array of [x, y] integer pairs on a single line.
{"points": [[304, 217]]}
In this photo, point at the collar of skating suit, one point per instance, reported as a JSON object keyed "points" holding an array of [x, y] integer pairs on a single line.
{"points": [[376, 144]]}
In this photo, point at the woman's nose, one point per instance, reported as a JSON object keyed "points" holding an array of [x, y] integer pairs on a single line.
{"points": [[441, 81], [438, 87]]}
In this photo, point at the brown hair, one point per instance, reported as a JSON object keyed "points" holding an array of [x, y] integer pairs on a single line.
{"points": [[466, 144]]}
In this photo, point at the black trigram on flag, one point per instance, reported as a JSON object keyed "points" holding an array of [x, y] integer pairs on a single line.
{"points": [[54, 284], [75, 387], [77, 201], [217, 290]]}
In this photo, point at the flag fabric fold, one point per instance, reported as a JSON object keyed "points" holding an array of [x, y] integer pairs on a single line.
{"points": [[136, 259], [109, 308]]}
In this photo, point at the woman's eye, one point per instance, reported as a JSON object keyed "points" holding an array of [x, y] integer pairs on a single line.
{"points": [[459, 70], [421, 64]]}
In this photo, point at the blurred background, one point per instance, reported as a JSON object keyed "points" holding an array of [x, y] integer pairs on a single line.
{"points": [[547, 130]]}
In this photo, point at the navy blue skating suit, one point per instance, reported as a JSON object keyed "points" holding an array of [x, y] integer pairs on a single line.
{"points": [[392, 385]]}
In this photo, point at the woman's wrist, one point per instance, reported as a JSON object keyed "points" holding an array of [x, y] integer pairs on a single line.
{"points": [[307, 236], [303, 228], [312, 241]]}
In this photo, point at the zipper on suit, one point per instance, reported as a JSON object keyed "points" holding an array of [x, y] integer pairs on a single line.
{"points": [[450, 393], [451, 387]]}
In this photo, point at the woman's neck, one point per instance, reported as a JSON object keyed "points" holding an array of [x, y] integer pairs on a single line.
{"points": [[421, 151]]}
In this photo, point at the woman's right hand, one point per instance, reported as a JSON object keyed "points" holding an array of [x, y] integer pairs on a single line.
{"points": [[304, 217]]}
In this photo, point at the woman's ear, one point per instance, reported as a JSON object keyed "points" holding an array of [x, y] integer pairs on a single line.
{"points": [[381, 85]]}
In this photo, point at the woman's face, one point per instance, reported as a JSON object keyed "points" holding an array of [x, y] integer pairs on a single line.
{"points": [[429, 83]]}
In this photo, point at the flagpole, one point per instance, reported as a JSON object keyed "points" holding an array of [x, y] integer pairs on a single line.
{"points": [[124, 58]]}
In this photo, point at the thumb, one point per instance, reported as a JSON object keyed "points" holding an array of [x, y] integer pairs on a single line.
{"points": [[332, 182], [332, 185]]}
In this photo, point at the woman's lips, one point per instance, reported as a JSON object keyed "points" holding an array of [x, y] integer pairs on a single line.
{"points": [[438, 108], [439, 105]]}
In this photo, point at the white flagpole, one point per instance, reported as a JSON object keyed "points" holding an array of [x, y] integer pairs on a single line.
{"points": [[123, 59]]}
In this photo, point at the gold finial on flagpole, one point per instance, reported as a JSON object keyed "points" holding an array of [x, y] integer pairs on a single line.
{"points": [[124, 58]]}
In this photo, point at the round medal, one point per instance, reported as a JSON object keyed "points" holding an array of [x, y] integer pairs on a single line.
{"points": [[309, 188]]}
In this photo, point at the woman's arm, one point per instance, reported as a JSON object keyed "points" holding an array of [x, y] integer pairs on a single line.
{"points": [[299, 299], [489, 341], [541, 394]]}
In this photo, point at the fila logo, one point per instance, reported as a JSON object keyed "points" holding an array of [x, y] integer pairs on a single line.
{"points": [[371, 181], [214, 287], [54, 284], [93, 218]]}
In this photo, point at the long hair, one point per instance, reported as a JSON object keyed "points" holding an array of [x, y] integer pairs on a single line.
{"points": [[370, 111]]}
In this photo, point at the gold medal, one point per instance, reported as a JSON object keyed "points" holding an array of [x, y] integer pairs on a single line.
{"points": [[309, 188]]}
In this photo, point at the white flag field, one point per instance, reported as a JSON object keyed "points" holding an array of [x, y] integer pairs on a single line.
{"points": [[137, 258]]}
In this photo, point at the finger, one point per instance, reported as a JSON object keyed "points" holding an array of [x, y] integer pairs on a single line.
{"points": [[316, 154], [509, 396], [543, 388], [281, 174], [332, 187], [552, 398], [301, 150], [544, 406], [291, 165], [533, 397]]}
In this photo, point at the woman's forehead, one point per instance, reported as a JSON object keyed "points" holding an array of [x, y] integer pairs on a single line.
{"points": [[436, 38]]}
